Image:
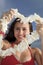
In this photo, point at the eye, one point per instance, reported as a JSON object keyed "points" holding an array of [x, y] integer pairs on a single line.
{"points": [[24, 29], [17, 28]]}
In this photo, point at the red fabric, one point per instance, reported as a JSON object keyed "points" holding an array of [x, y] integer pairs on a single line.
{"points": [[31, 62], [1, 32], [11, 60]]}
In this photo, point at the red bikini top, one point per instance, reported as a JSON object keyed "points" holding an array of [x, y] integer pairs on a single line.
{"points": [[11, 60]]}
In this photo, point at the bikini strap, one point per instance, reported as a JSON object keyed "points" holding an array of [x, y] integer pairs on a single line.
{"points": [[30, 51]]}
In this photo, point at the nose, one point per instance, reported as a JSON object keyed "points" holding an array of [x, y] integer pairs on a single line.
{"points": [[21, 32]]}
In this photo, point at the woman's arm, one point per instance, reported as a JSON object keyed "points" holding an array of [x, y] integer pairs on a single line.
{"points": [[39, 28], [40, 32], [38, 56]]}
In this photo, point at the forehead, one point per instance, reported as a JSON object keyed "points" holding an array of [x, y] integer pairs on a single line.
{"points": [[18, 24]]}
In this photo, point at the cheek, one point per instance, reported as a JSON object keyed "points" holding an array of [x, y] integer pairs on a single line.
{"points": [[27, 32], [15, 33]]}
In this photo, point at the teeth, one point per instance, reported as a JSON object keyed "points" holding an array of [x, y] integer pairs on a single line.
{"points": [[20, 36]]}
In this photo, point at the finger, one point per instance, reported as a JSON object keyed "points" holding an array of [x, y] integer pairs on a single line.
{"points": [[38, 21]]}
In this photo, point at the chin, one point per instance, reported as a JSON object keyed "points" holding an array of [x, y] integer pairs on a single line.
{"points": [[20, 40]]}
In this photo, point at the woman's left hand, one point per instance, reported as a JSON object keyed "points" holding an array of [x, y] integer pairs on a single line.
{"points": [[39, 28]]}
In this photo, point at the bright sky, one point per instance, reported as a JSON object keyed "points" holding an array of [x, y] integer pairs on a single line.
{"points": [[26, 7]]}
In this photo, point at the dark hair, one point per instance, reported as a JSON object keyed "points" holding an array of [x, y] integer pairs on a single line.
{"points": [[10, 34]]}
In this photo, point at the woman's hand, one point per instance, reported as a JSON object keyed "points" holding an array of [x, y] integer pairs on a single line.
{"points": [[6, 45], [39, 28]]}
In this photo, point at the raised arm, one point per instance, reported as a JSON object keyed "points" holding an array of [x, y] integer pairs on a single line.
{"points": [[40, 32], [37, 55]]}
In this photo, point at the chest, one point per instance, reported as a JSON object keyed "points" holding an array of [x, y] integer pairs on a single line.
{"points": [[25, 56]]}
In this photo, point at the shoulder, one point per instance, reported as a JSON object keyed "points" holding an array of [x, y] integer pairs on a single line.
{"points": [[36, 51], [37, 55]]}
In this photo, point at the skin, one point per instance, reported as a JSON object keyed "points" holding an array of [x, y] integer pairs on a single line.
{"points": [[20, 31], [6, 45], [40, 32]]}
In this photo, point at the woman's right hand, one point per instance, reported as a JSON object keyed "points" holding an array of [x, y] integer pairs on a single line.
{"points": [[6, 45]]}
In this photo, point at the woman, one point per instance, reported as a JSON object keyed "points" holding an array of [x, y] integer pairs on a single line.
{"points": [[16, 33]]}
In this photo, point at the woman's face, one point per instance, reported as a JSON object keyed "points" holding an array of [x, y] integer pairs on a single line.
{"points": [[20, 30]]}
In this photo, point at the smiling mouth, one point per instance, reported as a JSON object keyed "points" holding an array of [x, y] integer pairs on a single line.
{"points": [[21, 37]]}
